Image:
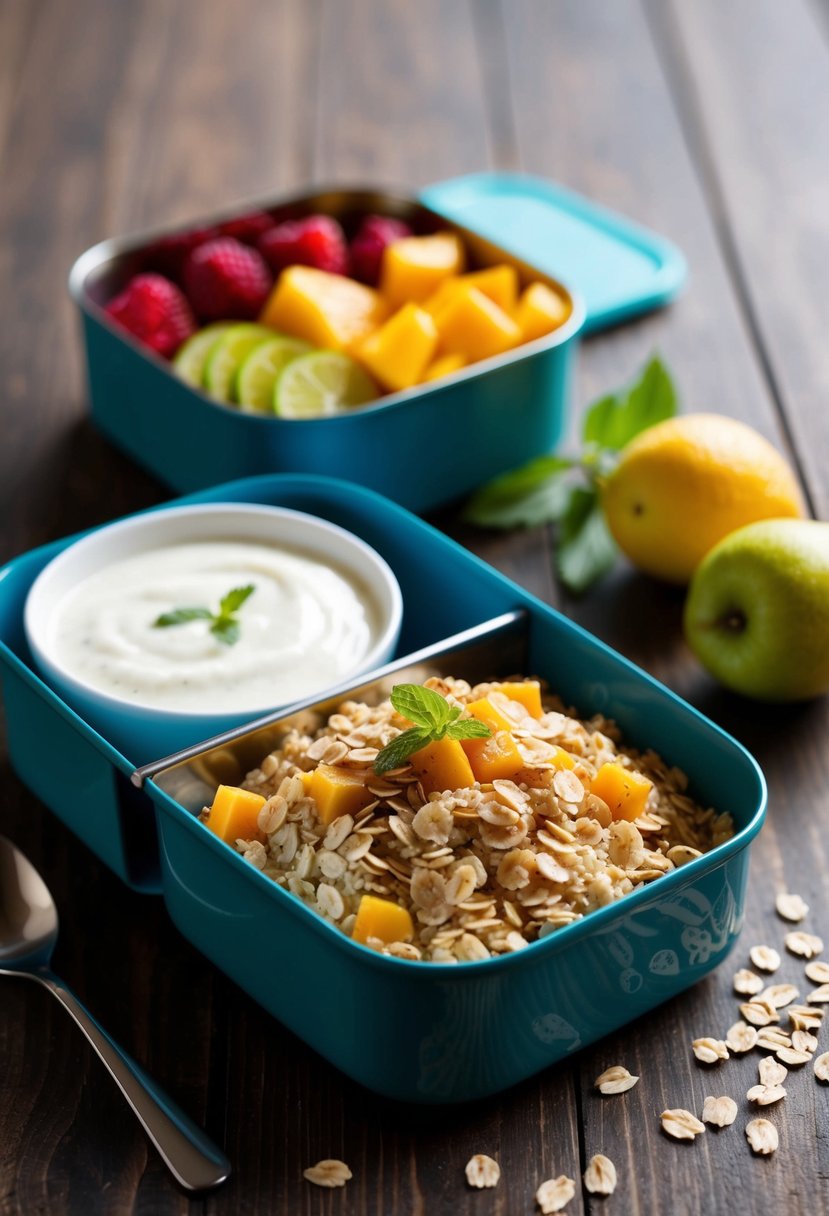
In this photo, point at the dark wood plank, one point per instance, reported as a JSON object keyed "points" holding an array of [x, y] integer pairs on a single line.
{"points": [[754, 83]]}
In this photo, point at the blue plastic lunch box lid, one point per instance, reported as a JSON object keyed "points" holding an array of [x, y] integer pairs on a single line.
{"points": [[619, 268]]}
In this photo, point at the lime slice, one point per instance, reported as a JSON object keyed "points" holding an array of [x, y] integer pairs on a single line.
{"points": [[228, 355], [258, 374], [192, 356], [320, 384]]}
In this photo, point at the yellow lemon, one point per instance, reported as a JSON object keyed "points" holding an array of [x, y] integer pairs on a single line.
{"points": [[684, 484]]}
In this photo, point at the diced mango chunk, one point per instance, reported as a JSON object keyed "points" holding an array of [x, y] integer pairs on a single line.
{"points": [[489, 711], [325, 309], [337, 792], [442, 765], [444, 366], [306, 779], [415, 266], [495, 758], [398, 353], [563, 759], [233, 815], [498, 283], [527, 692], [624, 790], [382, 919], [540, 310], [472, 325]]}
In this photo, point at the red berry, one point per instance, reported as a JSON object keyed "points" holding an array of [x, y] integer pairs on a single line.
{"points": [[375, 233], [154, 310], [226, 280], [169, 253], [247, 228], [316, 241]]}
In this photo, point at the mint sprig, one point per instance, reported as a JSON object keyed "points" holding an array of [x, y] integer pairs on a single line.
{"points": [[224, 624], [566, 490], [434, 719]]}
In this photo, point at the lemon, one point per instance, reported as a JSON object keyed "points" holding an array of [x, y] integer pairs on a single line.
{"points": [[684, 484]]}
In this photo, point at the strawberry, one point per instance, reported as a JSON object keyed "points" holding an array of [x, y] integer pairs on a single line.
{"points": [[375, 233], [317, 241], [155, 311], [226, 280], [247, 228], [169, 253]]}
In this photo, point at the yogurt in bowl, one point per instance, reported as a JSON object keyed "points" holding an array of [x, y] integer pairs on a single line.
{"points": [[166, 628]]}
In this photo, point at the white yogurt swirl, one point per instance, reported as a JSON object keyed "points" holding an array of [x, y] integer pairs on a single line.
{"points": [[305, 626]]}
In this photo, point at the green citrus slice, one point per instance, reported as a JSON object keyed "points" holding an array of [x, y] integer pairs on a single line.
{"points": [[259, 372], [191, 358], [228, 355], [320, 384]]}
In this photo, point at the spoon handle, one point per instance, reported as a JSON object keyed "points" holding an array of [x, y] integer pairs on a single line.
{"points": [[193, 1159]]}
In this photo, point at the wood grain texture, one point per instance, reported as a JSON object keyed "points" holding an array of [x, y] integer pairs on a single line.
{"points": [[170, 110]]}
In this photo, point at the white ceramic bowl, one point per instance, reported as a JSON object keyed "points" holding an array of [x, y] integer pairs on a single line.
{"points": [[144, 732]]}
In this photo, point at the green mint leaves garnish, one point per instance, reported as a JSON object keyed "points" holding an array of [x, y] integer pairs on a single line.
{"points": [[434, 718], [566, 490], [223, 624]]}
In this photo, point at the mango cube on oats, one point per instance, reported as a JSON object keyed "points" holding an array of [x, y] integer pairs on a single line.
{"points": [[337, 792], [472, 325], [325, 309], [540, 310], [495, 758], [382, 919], [415, 266], [624, 791], [398, 353], [233, 815], [442, 765]]}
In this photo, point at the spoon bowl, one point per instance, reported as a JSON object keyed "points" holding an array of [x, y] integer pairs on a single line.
{"points": [[28, 933]]}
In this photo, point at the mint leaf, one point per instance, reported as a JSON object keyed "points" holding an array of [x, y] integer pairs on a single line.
{"points": [[525, 497], [468, 728], [586, 549], [180, 616], [612, 421], [234, 599], [226, 630], [423, 706], [397, 752]]}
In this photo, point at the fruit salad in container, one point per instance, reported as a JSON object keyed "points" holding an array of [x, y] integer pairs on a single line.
{"points": [[301, 319]]}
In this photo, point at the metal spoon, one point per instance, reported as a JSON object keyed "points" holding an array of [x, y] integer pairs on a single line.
{"points": [[28, 932]]}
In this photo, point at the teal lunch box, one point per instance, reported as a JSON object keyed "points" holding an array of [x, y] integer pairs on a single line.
{"points": [[426, 445], [413, 1031]]}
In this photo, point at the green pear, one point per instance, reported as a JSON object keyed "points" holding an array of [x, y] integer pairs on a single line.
{"points": [[757, 613]]}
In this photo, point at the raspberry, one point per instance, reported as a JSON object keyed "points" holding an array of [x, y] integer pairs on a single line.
{"points": [[169, 253], [376, 232], [226, 280], [247, 228], [316, 241], [154, 310]]}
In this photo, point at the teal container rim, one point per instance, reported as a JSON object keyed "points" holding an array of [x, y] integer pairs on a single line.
{"points": [[113, 247]]}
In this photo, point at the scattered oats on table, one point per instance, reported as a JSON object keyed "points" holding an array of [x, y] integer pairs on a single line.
{"points": [[818, 972], [720, 1111], [554, 1194], [681, 1124], [328, 1172], [615, 1080], [779, 995], [806, 945], [764, 958], [791, 907], [762, 1136], [746, 983], [481, 870], [770, 1038], [741, 1037], [482, 1171], [710, 1051], [821, 1066], [765, 1095], [771, 1071], [759, 1013], [600, 1175], [818, 996], [793, 1057]]}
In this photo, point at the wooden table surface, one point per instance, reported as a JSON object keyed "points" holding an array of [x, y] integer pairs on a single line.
{"points": [[707, 121]]}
